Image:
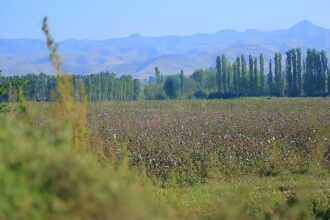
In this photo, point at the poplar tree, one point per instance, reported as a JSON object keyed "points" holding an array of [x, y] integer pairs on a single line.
{"points": [[289, 73], [224, 73], [238, 76], [270, 78], [255, 76], [229, 76], [308, 76], [158, 75], [136, 89], [235, 86], [244, 79], [280, 74], [299, 71], [276, 75], [303, 77], [323, 75], [295, 90], [219, 73], [262, 72], [181, 81], [251, 81]]}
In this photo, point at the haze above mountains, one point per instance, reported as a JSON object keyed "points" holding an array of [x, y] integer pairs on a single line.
{"points": [[138, 55]]}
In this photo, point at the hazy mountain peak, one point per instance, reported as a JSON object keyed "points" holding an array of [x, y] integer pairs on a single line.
{"points": [[135, 35], [305, 25], [227, 31]]}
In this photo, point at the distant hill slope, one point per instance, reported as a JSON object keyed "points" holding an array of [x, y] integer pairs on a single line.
{"points": [[138, 55]]}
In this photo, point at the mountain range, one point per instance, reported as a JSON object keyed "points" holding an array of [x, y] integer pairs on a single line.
{"points": [[138, 55]]}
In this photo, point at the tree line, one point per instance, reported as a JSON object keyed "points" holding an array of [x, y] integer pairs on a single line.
{"points": [[286, 75], [99, 87], [300, 77], [283, 76]]}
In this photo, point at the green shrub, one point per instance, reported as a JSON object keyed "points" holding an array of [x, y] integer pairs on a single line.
{"points": [[39, 181]]}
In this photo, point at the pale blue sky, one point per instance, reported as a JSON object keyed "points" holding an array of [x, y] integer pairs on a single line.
{"points": [[103, 19]]}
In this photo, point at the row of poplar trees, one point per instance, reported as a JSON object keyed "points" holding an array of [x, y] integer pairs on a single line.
{"points": [[99, 87], [296, 76]]}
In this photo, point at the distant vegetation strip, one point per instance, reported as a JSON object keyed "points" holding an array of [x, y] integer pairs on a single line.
{"points": [[293, 76]]}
